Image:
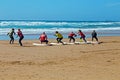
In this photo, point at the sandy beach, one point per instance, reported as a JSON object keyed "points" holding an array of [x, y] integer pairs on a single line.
{"points": [[64, 62]]}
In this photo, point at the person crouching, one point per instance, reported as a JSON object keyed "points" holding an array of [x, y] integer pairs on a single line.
{"points": [[43, 38]]}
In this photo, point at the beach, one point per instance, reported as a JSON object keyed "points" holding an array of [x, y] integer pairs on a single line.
{"points": [[63, 62]]}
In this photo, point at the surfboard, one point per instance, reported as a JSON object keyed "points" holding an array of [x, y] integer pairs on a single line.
{"points": [[93, 42], [67, 43], [56, 43], [80, 42], [88, 42], [38, 44]]}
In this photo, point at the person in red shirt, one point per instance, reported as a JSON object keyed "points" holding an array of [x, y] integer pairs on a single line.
{"points": [[71, 36], [43, 38], [82, 35], [21, 36]]}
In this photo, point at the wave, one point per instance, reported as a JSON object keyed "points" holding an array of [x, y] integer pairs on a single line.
{"points": [[37, 27], [40, 23], [4, 31]]}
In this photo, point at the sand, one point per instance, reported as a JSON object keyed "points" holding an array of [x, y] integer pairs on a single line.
{"points": [[65, 62]]}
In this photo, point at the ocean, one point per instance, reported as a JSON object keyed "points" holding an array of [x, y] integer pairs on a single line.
{"points": [[33, 28]]}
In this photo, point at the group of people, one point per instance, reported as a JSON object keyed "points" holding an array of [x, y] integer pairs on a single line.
{"points": [[19, 33], [43, 37], [71, 36], [59, 36]]}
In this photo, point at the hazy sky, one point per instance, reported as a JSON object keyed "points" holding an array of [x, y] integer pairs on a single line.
{"points": [[78, 10]]}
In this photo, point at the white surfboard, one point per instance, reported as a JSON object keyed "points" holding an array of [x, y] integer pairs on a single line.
{"points": [[67, 43], [38, 44], [93, 42], [56, 43], [88, 42], [80, 42]]}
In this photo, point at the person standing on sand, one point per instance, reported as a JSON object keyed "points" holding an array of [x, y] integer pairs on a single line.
{"points": [[11, 33], [43, 38], [21, 36], [59, 37], [71, 36], [82, 35], [94, 35]]}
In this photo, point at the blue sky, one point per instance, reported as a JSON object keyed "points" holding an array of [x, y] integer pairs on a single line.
{"points": [[75, 10]]}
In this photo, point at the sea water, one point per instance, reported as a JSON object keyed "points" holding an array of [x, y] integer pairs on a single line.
{"points": [[33, 28]]}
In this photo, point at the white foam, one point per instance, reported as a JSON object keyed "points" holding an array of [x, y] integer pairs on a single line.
{"points": [[5, 26], [38, 23]]}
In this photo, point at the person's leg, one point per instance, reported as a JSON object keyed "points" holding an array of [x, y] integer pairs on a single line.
{"points": [[60, 40], [57, 40], [12, 40], [69, 39], [84, 39], [46, 41], [92, 38], [81, 39], [96, 39], [20, 41], [73, 39]]}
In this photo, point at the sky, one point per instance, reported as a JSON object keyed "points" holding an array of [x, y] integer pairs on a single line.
{"points": [[70, 10]]}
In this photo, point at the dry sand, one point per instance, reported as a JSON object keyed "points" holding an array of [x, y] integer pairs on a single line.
{"points": [[66, 62]]}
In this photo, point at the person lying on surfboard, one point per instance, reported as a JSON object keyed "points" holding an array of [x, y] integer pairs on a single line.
{"points": [[43, 38]]}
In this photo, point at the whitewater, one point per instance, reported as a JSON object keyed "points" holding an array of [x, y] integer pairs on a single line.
{"points": [[32, 29]]}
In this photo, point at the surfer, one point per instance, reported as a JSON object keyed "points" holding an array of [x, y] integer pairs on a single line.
{"points": [[59, 37], [43, 38], [11, 33], [82, 35], [21, 36], [71, 36], [94, 35]]}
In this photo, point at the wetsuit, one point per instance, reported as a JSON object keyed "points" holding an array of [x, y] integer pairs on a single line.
{"points": [[11, 36], [82, 36], [59, 37], [21, 37], [94, 35], [71, 37], [43, 38]]}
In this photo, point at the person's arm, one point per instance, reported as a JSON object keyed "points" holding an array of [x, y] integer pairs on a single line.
{"points": [[7, 33], [75, 35], [14, 33], [17, 34]]}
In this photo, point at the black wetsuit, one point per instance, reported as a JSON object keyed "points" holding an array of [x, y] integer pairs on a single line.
{"points": [[94, 35]]}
